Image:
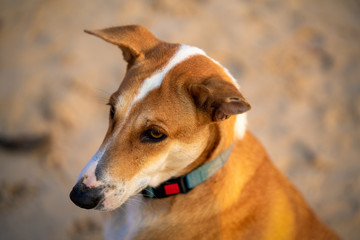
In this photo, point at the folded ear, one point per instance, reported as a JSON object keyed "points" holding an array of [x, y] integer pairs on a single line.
{"points": [[134, 40], [218, 98]]}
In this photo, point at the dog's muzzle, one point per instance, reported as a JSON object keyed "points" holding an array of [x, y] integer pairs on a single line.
{"points": [[86, 197]]}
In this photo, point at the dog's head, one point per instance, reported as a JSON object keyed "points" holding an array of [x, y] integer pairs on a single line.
{"points": [[160, 118]]}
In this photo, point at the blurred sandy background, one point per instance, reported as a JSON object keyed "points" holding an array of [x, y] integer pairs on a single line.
{"points": [[298, 63]]}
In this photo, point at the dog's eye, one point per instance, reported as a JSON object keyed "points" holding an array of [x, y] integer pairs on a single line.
{"points": [[152, 135], [156, 134], [112, 111]]}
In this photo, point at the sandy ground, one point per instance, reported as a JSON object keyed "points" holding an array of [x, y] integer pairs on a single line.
{"points": [[298, 63]]}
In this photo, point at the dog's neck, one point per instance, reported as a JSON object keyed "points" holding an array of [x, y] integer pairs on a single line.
{"points": [[203, 168], [221, 138], [143, 211], [195, 177]]}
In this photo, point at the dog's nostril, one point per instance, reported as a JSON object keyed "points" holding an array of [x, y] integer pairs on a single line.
{"points": [[86, 197]]}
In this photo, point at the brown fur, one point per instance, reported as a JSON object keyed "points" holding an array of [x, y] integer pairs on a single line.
{"points": [[247, 199]]}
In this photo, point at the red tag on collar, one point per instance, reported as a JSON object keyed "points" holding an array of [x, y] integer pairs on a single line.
{"points": [[171, 189]]}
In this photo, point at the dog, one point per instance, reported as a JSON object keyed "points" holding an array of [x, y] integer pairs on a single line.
{"points": [[177, 161]]}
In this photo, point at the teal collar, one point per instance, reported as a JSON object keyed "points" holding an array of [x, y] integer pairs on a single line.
{"points": [[187, 182]]}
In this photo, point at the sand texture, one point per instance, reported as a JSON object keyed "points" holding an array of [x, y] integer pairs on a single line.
{"points": [[298, 64]]}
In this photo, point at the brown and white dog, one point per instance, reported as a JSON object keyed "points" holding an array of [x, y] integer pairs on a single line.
{"points": [[176, 111]]}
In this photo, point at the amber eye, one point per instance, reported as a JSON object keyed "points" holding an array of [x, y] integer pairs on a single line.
{"points": [[152, 135], [155, 134]]}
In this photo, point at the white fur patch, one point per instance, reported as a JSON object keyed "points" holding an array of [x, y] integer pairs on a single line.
{"points": [[127, 220], [88, 172], [115, 197], [226, 72], [155, 80], [240, 126]]}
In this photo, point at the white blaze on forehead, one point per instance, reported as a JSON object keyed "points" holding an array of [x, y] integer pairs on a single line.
{"points": [[155, 80]]}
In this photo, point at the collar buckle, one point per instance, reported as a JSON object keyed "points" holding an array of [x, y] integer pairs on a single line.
{"points": [[168, 188]]}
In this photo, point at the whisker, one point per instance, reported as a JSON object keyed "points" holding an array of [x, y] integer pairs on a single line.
{"points": [[102, 95]]}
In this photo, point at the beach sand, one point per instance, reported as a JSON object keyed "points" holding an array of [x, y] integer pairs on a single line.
{"points": [[297, 62]]}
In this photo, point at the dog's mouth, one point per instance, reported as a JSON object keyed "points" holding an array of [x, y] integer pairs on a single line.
{"points": [[100, 206], [105, 196], [114, 198], [102, 197]]}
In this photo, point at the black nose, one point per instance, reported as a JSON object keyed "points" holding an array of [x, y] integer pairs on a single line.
{"points": [[86, 197]]}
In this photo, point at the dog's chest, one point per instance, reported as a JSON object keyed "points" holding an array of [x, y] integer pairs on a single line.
{"points": [[134, 217], [125, 222]]}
